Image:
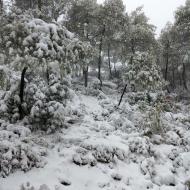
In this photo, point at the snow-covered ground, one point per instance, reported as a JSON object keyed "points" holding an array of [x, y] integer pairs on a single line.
{"points": [[104, 147]]}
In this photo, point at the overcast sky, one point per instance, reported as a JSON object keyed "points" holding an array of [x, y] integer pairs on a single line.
{"points": [[159, 11]]}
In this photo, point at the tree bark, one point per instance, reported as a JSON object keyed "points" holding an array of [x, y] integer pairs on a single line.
{"points": [[100, 57], [21, 94], [173, 76], [179, 75], [122, 95], [132, 50], [167, 61], [47, 74], [184, 77], [100, 61], [85, 71], [166, 68], [40, 5], [30, 4], [1, 7], [115, 69], [109, 61]]}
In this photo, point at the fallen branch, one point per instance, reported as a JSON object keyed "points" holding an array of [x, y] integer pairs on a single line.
{"points": [[122, 95]]}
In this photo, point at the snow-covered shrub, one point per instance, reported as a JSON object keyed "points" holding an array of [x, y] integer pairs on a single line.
{"points": [[153, 123], [84, 157], [9, 105], [137, 97], [47, 108], [143, 73], [104, 153], [47, 116], [102, 96], [95, 83], [172, 138], [28, 186], [164, 176], [173, 154], [147, 167], [166, 102], [9, 99], [93, 88], [80, 160], [2, 78], [109, 85], [17, 156], [120, 122], [16, 150], [43, 103], [140, 145], [116, 176]]}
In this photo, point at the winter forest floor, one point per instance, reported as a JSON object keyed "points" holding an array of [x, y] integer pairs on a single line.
{"points": [[106, 147]]}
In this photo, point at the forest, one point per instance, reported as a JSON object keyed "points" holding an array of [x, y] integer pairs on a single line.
{"points": [[91, 98]]}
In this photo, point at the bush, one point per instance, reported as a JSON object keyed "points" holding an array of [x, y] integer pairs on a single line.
{"points": [[140, 145], [43, 105], [143, 73], [47, 108], [152, 123], [16, 150], [28, 186]]}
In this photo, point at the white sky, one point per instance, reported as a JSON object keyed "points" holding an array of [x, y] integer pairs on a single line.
{"points": [[159, 11]]}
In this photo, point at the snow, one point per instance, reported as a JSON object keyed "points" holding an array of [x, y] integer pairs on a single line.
{"points": [[103, 148], [91, 103]]}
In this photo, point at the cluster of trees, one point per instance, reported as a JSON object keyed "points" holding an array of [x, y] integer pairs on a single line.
{"points": [[117, 36], [110, 35], [175, 48]]}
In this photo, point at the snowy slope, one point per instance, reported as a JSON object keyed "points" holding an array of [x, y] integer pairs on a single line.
{"points": [[102, 148]]}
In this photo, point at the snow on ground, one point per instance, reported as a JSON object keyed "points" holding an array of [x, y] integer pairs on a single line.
{"points": [[102, 149]]}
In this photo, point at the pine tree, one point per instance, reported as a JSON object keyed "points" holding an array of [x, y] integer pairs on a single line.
{"points": [[143, 73], [169, 54], [138, 34], [113, 19], [182, 25]]}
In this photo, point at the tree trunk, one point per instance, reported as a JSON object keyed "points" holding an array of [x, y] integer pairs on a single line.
{"points": [[47, 74], [167, 61], [40, 5], [131, 59], [132, 50], [109, 61], [100, 57], [184, 77], [115, 69], [100, 61], [21, 94], [173, 76], [122, 95], [85, 71], [30, 4], [166, 68], [1, 7], [179, 76]]}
